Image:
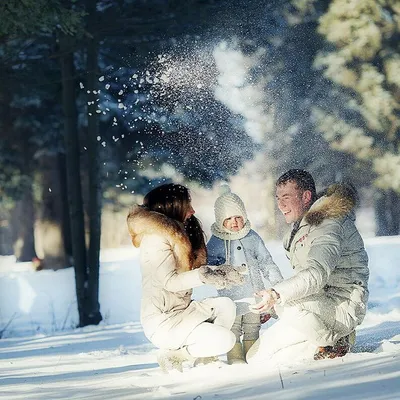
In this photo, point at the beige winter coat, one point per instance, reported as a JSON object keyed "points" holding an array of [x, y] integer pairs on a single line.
{"points": [[330, 265], [168, 267]]}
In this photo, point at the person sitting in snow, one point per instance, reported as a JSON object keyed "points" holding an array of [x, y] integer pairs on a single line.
{"points": [[173, 261], [234, 242], [320, 306]]}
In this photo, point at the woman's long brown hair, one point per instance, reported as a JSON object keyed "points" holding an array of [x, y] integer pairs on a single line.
{"points": [[173, 200]]}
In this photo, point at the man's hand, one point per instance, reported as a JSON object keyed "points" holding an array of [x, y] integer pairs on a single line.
{"points": [[269, 298]]}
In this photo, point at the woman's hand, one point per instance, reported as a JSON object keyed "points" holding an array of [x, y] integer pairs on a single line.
{"points": [[222, 276], [269, 299]]}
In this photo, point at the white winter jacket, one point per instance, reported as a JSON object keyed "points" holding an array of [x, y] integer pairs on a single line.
{"points": [[330, 264], [251, 252], [168, 314]]}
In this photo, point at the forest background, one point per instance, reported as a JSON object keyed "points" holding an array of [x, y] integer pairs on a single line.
{"points": [[102, 100]]}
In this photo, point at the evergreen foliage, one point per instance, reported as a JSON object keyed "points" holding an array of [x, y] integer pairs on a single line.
{"points": [[31, 17], [120, 95], [364, 59]]}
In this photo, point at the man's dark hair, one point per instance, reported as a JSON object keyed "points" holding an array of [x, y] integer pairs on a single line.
{"points": [[302, 178]]}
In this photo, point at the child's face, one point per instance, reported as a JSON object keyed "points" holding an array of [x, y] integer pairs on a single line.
{"points": [[234, 224]]}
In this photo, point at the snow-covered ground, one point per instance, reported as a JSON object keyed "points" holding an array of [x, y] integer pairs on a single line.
{"points": [[43, 357]]}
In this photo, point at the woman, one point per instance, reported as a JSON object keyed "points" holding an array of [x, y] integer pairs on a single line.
{"points": [[172, 258]]}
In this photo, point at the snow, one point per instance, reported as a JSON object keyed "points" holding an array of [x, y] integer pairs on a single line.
{"points": [[238, 91], [43, 357]]}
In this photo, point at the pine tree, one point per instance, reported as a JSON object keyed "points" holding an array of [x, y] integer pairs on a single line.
{"points": [[363, 61]]}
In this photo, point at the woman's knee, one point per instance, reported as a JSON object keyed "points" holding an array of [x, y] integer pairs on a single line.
{"points": [[224, 339], [200, 345], [224, 310], [230, 340], [223, 303], [228, 307]]}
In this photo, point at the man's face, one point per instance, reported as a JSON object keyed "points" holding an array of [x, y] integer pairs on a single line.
{"points": [[292, 201]]}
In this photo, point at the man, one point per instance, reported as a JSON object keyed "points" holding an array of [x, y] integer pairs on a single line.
{"points": [[320, 306]]}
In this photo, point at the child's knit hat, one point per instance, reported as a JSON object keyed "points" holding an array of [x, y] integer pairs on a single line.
{"points": [[227, 205]]}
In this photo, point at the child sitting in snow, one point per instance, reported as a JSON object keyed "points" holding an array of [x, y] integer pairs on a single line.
{"points": [[233, 242]]}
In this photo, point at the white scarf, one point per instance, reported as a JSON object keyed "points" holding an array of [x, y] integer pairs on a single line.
{"points": [[226, 235]]}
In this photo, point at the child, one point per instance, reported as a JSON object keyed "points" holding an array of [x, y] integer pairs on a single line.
{"points": [[234, 242]]}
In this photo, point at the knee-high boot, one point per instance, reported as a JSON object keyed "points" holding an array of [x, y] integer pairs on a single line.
{"points": [[236, 355], [246, 346]]}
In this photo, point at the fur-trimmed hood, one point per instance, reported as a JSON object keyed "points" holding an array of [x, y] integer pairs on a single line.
{"points": [[337, 201], [143, 222]]}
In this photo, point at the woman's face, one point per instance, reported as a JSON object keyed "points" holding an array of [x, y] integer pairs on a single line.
{"points": [[189, 212]]}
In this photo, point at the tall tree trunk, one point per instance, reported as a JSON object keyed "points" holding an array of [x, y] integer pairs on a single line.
{"points": [[66, 225], [387, 213], [7, 225], [23, 219], [6, 243], [51, 215], [268, 195], [94, 210], [23, 215], [72, 154]]}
